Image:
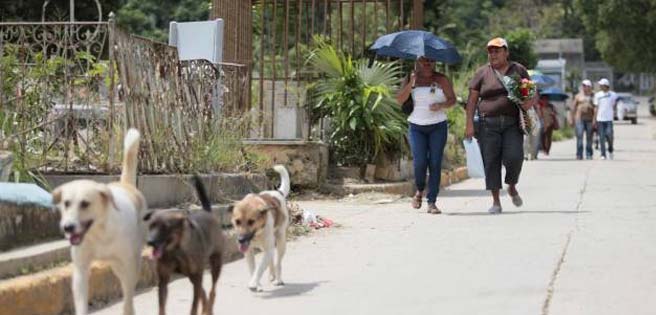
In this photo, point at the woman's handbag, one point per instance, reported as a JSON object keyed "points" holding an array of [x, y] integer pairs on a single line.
{"points": [[408, 106]]}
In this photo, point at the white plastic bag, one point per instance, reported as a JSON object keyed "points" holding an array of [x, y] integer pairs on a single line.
{"points": [[474, 159]]}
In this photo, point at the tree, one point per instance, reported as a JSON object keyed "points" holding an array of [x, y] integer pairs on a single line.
{"points": [[521, 46], [30, 10], [623, 31], [151, 18]]}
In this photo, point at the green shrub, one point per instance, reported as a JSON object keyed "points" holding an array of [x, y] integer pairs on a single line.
{"points": [[564, 133], [358, 101]]}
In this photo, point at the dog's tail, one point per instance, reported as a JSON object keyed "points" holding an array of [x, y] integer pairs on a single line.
{"points": [[284, 179], [130, 153], [202, 194]]}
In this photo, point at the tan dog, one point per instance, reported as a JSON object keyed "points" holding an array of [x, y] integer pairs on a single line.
{"points": [[261, 221], [185, 241], [102, 222]]}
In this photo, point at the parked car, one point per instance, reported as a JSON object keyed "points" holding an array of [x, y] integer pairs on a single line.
{"points": [[652, 106], [626, 107]]}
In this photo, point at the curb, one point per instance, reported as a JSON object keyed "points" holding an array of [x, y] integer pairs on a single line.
{"points": [[398, 188], [50, 293]]}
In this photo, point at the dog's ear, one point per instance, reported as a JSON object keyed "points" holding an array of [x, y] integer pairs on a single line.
{"points": [[230, 208], [148, 215], [56, 196], [107, 196], [264, 210]]}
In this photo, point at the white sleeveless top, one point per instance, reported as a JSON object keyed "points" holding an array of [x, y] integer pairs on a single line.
{"points": [[423, 97]]}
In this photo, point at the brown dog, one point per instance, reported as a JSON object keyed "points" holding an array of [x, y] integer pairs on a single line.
{"points": [[184, 241], [261, 221]]}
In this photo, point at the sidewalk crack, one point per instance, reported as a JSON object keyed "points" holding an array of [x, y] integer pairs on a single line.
{"points": [[552, 282]]}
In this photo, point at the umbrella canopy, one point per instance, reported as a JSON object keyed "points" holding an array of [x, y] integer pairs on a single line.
{"points": [[554, 94], [413, 44], [542, 80]]}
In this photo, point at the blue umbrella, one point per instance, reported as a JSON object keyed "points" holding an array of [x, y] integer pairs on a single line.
{"points": [[554, 94], [414, 44], [542, 80]]}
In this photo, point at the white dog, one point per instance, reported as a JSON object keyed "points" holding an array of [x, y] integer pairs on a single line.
{"points": [[102, 222], [261, 221]]}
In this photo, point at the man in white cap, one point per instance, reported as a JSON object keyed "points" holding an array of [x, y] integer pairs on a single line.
{"points": [[604, 102], [582, 116]]}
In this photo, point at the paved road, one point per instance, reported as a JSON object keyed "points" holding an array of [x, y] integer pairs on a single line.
{"points": [[582, 244]]}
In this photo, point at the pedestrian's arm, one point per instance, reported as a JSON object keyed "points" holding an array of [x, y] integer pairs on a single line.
{"points": [[406, 90], [472, 100], [448, 92]]}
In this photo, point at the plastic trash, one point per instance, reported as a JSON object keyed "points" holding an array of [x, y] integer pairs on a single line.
{"points": [[309, 217], [474, 158]]}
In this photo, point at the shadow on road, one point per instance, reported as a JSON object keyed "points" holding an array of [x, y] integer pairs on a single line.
{"points": [[464, 214], [464, 193], [292, 289]]}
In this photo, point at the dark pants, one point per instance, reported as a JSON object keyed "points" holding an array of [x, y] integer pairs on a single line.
{"points": [[605, 134], [583, 127], [427, 144], [502, 143], [547, 135]]}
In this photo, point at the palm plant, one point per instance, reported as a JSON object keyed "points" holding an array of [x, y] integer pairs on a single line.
{"points": [[365, 120]]}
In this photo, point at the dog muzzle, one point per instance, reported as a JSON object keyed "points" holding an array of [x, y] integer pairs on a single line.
{"points": [[157, 248], [244, 241], [74, 236]]}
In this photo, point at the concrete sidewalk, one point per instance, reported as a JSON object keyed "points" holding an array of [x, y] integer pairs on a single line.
{"points": [[582, 244]]}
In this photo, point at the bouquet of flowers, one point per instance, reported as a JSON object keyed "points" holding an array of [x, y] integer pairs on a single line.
{"points": [[519, 90]]}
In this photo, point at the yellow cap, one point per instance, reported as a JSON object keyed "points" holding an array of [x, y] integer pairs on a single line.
{"points": [[497, 42]]}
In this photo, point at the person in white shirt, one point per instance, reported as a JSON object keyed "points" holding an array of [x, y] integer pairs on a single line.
{"points": [[604, 102], [431, 93]]}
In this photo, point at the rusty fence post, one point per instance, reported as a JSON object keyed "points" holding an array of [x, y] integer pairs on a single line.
{"points": [[111, 29]]}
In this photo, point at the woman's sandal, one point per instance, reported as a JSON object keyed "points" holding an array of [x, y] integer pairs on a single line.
{"points": [[432, 209], [416, 201]]}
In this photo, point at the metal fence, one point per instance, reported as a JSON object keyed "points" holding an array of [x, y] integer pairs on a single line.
{"points": [[55, 104], [273, 37], [66, 98], [178, 106]]}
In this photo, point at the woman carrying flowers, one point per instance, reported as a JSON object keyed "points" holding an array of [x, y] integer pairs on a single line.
{"points": [[502, 100]]}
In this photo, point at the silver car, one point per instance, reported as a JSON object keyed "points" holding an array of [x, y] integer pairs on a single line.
{"points": [[626, 108]]}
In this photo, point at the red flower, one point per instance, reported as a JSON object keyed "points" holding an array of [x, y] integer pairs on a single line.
{"points": [[524, 92]]}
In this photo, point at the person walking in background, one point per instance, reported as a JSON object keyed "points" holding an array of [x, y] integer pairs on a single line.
{"points": [[500, 136], [582, 117], [604, 102], [431, 93], [549, 122], [532, 142]]}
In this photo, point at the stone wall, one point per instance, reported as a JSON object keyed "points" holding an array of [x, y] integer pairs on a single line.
{"points": [[26, 216], [307, 161]]}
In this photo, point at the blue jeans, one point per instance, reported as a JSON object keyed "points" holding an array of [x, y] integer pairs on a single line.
{"points": [[605, 134], [427, 144], [582, 127]]}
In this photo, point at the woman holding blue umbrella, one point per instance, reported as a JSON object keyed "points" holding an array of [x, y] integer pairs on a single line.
{"points": [[431, 93]]}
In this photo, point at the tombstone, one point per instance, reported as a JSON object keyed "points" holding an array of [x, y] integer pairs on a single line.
{"points": [[26, 215], [200, 40]]}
